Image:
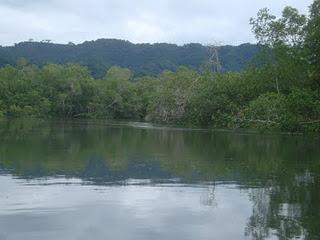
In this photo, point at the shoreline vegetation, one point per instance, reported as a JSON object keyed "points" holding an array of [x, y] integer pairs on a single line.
{"points": [[279, 91]]}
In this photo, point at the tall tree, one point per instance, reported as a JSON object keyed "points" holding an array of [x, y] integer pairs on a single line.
{"points": [[282, 40], [313, 41]]}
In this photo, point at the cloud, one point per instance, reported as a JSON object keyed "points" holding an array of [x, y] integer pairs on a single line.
{"points": [[176, 21]]}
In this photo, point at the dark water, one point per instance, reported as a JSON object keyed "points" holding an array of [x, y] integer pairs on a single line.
{"points": [[134, 181]]}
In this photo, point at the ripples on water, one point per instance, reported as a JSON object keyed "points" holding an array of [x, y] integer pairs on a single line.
{"points": [[139, 181]]}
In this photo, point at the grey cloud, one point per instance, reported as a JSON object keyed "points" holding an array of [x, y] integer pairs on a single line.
{"points": [[177, 21]]}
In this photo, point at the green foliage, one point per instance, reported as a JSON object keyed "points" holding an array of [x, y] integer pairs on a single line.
{"points": [[304, 109], [146, 89], [142, 59], [297, 111], [226, 100], [290, 67], [216, 99], [1, 110], [283, 55], [267, 111], [312, 42], [280, 92], [287, 30], [117, 73], [173, 95]]}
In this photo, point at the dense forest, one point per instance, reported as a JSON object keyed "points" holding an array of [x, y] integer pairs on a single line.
{"points": [[141, 59], [281, 90]]}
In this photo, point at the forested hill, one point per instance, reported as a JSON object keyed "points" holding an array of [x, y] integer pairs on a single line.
{"points": [[142, 59]]}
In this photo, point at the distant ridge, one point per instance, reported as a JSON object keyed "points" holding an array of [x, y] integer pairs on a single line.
{"points": [[142, 59]]}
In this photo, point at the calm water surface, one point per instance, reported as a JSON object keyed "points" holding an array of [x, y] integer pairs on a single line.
{"points": [[135, 181]]}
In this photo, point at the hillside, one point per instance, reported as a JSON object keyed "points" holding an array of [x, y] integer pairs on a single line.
{"points": [[143, 59]]}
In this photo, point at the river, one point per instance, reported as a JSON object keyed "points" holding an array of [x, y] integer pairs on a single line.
{"points": [[115, 180]]}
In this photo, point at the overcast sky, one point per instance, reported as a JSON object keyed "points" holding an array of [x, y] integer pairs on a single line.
{"points": [[174, 21]]}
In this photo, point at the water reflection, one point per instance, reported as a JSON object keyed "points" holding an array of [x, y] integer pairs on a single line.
{"points": [[113, 212], [173, 184]]}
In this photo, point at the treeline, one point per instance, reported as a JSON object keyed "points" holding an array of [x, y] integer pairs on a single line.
{"points": [[142, 59], [230, 100], [281, 91]]}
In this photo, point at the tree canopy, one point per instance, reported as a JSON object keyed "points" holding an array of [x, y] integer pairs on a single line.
{"points": [[141, 59], [279, 91]]}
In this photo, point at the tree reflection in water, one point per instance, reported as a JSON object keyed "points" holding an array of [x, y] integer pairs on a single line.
{"points": [[280, 173]]}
